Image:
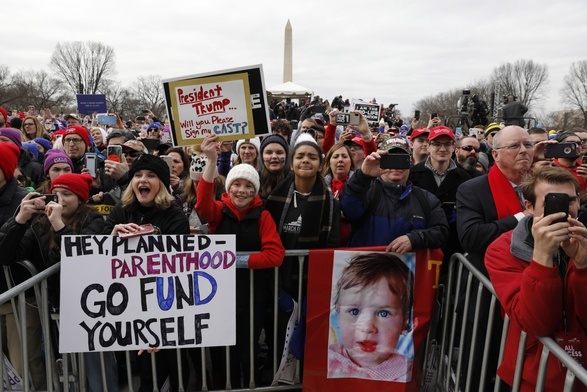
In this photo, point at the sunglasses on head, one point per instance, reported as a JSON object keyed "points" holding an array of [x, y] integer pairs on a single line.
{"points": [[470, 148]]}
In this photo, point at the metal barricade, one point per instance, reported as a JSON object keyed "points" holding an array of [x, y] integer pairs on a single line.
{"points": [[66, 372], [463, 334]]}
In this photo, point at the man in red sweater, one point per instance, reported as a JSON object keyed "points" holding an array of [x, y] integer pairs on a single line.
{"points": [[539, 274]]}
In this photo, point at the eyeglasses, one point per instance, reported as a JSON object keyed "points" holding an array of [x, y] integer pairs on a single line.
{"points": [[73, 140], [153, 130], [28, 124], [438, 145], [492, 134], [516, 146], [355, 146], [133, 154], [471, 148], [583, 142], [21, 178]]}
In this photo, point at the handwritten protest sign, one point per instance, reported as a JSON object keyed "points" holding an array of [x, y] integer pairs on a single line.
{"points": [[369, 110], [167, 291], [231, 104]]}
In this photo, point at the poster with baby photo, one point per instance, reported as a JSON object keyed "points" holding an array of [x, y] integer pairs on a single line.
{"points": [[370, 321]]}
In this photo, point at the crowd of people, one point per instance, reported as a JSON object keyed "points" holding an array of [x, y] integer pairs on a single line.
{"points": [[310, 184]]}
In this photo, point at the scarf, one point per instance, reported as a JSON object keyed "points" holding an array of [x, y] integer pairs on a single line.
{"points": [[505, 197], [317, 216]]}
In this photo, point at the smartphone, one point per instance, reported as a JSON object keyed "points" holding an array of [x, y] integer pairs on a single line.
{"points": [[40, 203], [106, 119], [556, 202], [114, 153], [473, 132], [395, 161], [561, 150], [433, 116], [584, 160], [167, 160], [91, 163], [417, 115], [143, 229], [347, 119], [145, 111]]}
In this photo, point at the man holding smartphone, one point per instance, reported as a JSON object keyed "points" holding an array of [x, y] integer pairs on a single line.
{"points": [[571, 162], [384, 208], [539, 274]]}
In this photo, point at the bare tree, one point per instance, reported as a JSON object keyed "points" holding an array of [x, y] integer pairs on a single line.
{"points": [[38, 88], [525, 79], [574, 90], [7, 94], [120, 99], [84, 66], [148, 91]]}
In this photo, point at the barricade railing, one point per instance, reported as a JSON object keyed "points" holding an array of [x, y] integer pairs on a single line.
{"points": [[66, 372], [467, 329]]}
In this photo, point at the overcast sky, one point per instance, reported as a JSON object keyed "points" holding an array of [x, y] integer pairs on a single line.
{"points": [[395, 51]]}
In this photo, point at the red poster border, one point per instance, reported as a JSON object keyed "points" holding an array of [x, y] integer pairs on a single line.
{"points": [[320, 266]]}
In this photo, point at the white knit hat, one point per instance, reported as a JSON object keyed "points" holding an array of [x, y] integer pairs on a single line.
{"points": [[254, 141], [246, 172]]}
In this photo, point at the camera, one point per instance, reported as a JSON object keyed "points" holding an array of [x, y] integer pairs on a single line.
{"points": [[466, 91], [561, 150]]}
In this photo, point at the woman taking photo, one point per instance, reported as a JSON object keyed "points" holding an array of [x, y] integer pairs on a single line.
{"points": [[35, 234]]}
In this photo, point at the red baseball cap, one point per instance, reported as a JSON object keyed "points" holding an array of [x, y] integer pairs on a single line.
{"points": [[419, 132], [357, 140], [441, 131]]}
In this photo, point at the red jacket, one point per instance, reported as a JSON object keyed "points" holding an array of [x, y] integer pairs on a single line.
{"points": [[532, 296], [272, 251]]}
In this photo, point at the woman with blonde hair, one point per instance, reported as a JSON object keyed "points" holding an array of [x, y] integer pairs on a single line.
{"points": [[32, 129], [147, 201]]}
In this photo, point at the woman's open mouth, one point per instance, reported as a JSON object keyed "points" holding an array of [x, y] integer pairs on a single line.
{"points": [[144, 191]]}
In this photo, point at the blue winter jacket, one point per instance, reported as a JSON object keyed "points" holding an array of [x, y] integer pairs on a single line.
{"points": [[379, 219]]}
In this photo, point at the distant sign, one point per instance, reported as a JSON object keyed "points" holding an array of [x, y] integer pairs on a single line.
{"points": [[370, 110], [230, 103], [165, 291], [90, 103]]}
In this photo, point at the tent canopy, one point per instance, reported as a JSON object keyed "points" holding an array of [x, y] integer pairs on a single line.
{"points": [[290, 89]]}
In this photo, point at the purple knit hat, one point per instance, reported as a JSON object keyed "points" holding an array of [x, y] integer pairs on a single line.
{"points": [[12, 134], [54, 156]]}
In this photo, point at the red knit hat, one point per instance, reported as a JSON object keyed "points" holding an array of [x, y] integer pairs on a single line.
{"points": [[9, 153], [5, 114], [79, 184], [80, 131]]}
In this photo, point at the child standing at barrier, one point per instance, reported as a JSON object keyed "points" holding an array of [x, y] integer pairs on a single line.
{"points": [[373, 304], [240, 211]]}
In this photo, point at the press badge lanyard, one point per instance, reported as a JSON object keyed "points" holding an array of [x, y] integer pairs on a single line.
{"points": [[570, 342]]}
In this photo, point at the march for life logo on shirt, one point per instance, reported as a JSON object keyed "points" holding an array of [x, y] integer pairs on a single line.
{"points": [[293, 227]]}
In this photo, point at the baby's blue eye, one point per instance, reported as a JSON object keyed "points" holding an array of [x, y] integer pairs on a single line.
{"points": [[354, 312], [383, 313]]}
